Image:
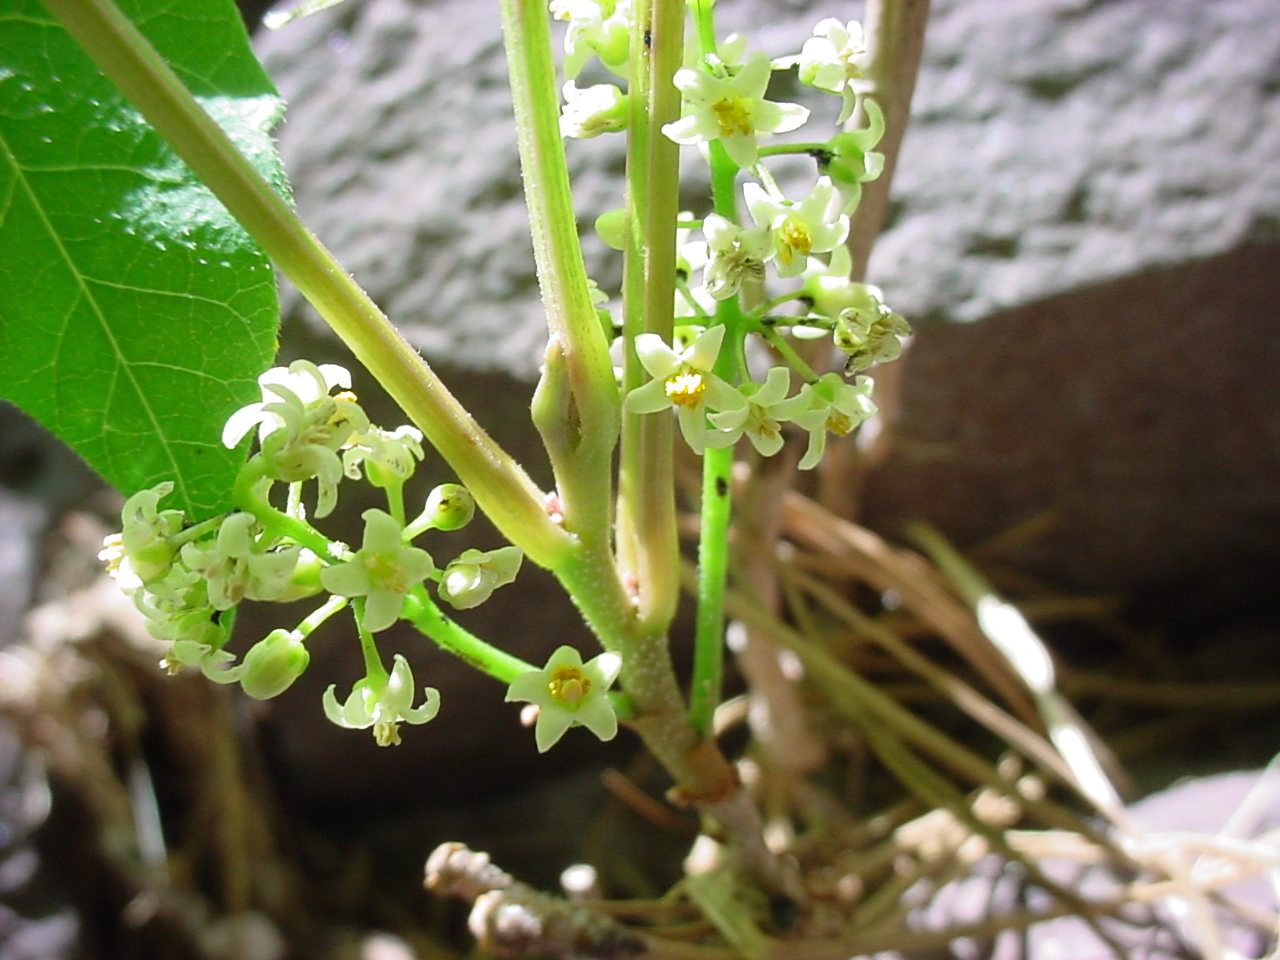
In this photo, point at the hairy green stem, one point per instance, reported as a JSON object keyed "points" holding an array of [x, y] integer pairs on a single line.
{"points": [[577, 412], [647, 540], [717, 466], [499, 484]]}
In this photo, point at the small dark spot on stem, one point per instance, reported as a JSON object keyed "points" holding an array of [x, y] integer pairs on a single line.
{"points": [[722, 487], [648, 39]]}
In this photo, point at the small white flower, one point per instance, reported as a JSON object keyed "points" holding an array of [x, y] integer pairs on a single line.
{"points": [[569, 693], [234, 567], [383, 704], [683, 382], [388, 457], [382, 571], [760, 419], [591, 111], [814, 225], [828, 406], [733, 255], [732, 111], [833, 60], [301, 427], [470, 579]]}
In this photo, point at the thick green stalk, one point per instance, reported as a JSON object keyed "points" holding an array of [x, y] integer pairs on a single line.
{"points": [[577, 411], [499, 484], [647, 541]]}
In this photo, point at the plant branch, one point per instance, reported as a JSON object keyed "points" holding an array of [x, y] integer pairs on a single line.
{"points": [[647, 541], [499, 484]]}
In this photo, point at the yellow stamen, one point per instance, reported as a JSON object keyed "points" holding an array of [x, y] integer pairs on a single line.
{"points": [[838, 423], [795, 240], [733, 116], [569, 685], [686, 389]]}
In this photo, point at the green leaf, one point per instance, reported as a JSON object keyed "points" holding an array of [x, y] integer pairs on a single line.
{"points": [[135, 313]]}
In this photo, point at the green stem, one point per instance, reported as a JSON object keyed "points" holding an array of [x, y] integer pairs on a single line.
{"points": [[647, 540], [395, 502], [713, 556], [499, 484], [717, 467], [781, 149], [320, 615], [577, 412], [421, 611], [373, 668], [788, 353], [249, 497]]}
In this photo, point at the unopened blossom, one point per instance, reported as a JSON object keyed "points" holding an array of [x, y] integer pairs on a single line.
{"points": [[234, 567], [382, 703], [471, 579], [833, 59], [591, 111], [268, 669], [829, 405], [141, 552], [813, 225], [684, 382], [732, 110], [733, 256], [382, 571], [388, 457], [569, 693], [760, 420]]}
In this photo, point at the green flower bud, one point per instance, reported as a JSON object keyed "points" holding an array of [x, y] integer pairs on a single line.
{"points": [[272, 664], [612, 227], [450, 506]]}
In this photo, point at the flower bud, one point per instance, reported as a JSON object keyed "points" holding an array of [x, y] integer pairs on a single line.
{"points": [[471, 579], [272, 664], [612, 228], [450, 506]]}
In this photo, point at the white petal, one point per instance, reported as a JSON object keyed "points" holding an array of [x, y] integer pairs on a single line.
{"points": [[703, 352], [649, 398], [382, 609], [240, 423], [598, 717], [656, 357], [552, 723], [531, 687]]}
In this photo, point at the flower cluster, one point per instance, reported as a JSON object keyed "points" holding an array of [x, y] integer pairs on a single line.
{"points": [[186, 579]]}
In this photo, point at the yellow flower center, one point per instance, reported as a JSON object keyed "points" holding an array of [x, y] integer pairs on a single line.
{"points": [[385, 572], [386, 733], [838, 423], [569, 685], [732, 116], [685, 389], [795, 240]]}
